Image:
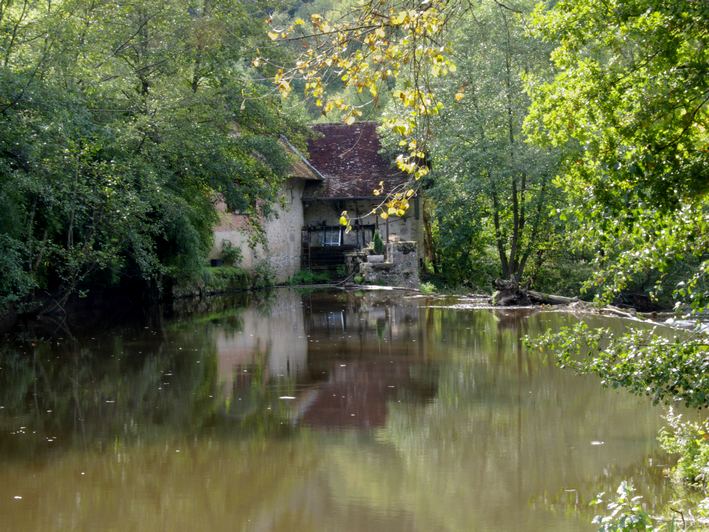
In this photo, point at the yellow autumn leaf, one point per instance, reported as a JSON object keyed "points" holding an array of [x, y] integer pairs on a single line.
{"points": [[273, 35], [384, 216], [398, 19], [284, 87], [459, 96]]}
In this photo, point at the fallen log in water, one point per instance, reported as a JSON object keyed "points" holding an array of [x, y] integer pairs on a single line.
{"points": [[549, 299], [510, 293]]}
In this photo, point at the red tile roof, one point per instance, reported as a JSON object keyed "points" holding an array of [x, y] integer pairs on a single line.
{"points": [[348, 157]]}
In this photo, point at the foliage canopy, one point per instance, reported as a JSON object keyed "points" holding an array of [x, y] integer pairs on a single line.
{"points": [[119, 123]]}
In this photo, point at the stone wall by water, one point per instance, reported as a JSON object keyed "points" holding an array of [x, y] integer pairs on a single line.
{"points": [[401, 268], [283, 234]]}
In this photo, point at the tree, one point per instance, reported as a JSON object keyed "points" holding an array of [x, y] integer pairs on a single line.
{"points": [[628, 103], [489, 184], [118, 125], [629, 100], [371, 48]]}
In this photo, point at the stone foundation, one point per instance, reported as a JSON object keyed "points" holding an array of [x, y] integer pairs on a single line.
{"points": [[399, 269]]}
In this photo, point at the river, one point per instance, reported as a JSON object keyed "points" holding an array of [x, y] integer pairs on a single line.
{"points": [[321, 410]]}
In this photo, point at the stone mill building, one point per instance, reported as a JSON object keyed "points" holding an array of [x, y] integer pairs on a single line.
{"points": [[341, 170]]}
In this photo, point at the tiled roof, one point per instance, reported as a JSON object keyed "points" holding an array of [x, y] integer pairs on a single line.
{"points": [[348, 158]]}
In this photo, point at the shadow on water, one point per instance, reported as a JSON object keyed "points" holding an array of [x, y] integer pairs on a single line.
{"points": [[311, 411]]}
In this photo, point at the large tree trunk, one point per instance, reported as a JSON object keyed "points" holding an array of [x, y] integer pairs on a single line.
{"points": [[510, 293]]}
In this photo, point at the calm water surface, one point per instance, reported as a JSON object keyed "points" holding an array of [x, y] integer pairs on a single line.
{"points": [[321, 411]]}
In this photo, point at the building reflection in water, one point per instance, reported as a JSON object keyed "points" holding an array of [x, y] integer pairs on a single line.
{"points": [[346, 357], [274, 341]]}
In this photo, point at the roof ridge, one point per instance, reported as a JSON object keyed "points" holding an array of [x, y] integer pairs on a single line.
{"points": [[302, 157]]}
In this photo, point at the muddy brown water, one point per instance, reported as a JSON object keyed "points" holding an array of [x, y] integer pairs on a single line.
{"points": [[314, 411]]}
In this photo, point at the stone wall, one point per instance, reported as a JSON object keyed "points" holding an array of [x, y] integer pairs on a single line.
{"points": [[401, 268], [283, 234], [283, 230]]}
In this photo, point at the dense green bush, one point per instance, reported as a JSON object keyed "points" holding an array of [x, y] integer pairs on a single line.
{"points": [[111, 156], [689, 440], [666, 369], [225, 278], [626, 513], [378, 244], [231, 255], [220, 279], [428, 288], [15, 281], [309, 277], [263, 276]]}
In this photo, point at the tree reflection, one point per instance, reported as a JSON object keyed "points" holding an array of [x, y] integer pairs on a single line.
{"points": [[234, 417], [498, 433], [132, 384]]}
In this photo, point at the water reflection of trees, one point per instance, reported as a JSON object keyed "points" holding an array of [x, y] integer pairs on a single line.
{"points": [[180, 423], [135, 383], [505, 429], [109, 387]]}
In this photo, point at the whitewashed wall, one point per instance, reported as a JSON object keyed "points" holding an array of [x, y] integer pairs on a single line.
{"points": [[283, 234]]}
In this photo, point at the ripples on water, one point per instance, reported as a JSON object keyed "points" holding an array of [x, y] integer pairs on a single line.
{"points": [[316, 411]]}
